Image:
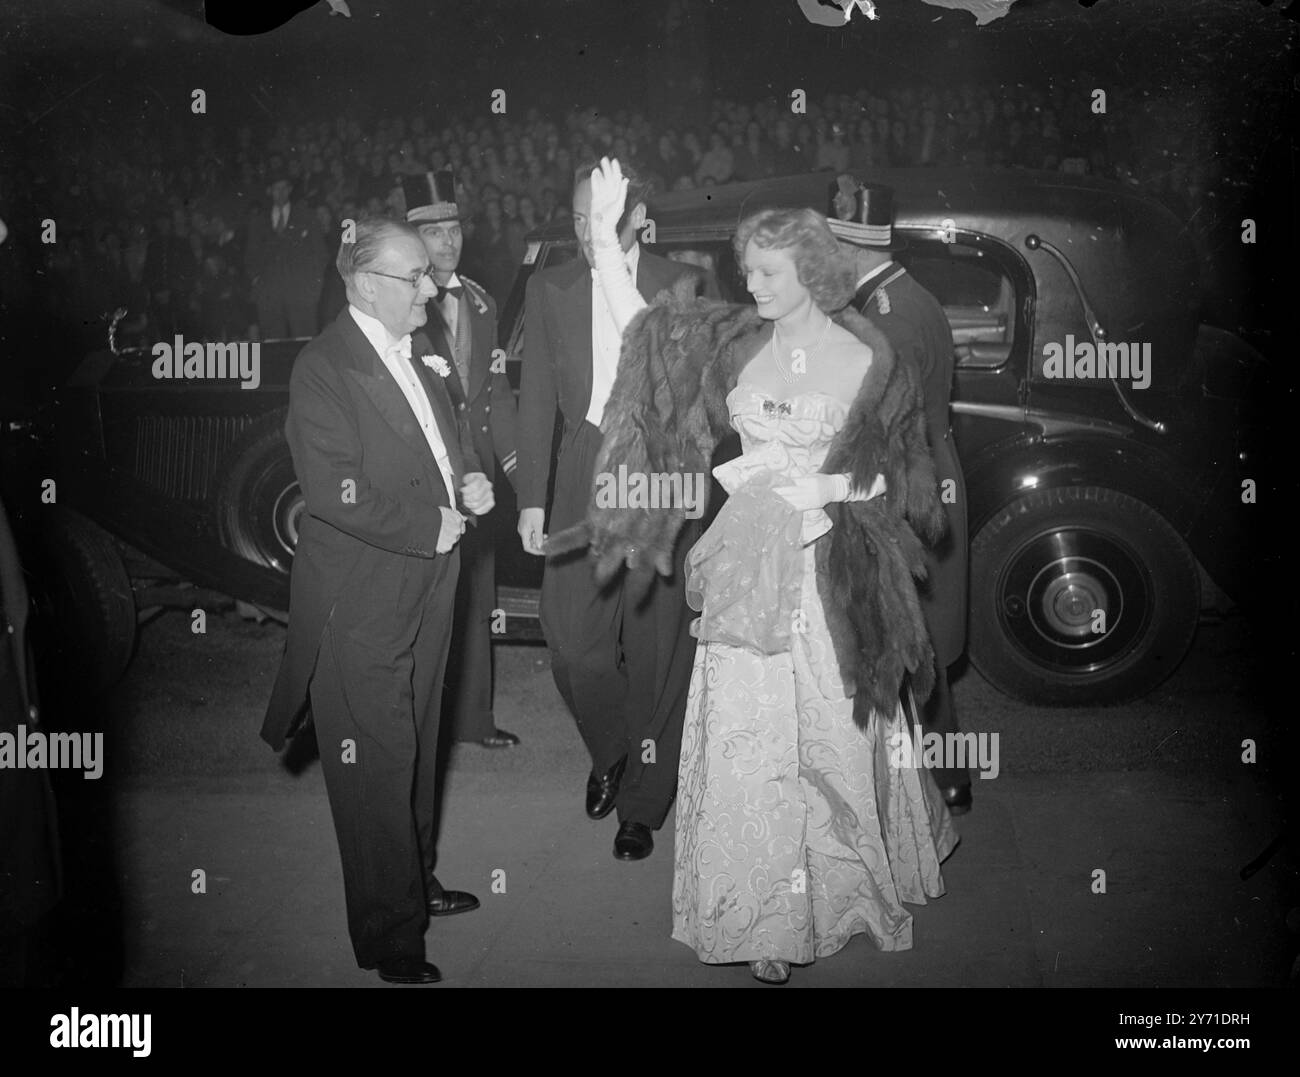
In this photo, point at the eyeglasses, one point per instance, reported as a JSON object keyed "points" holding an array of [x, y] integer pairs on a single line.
{"points": [[414, 281]]}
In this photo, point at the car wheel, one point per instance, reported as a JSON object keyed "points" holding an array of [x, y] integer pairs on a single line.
{"points": [[1080, 595], [258, 502], [85, 617]]}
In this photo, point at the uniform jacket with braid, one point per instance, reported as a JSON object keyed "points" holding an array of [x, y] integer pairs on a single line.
{"points": [[668, 410]]}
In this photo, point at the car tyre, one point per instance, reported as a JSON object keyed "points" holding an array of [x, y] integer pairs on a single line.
{"points": [[258, 501], [1043, 567], [85, 615]]}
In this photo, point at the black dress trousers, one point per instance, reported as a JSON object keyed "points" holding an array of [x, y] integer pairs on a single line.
{"points": [[376, 697], [621, 654]]}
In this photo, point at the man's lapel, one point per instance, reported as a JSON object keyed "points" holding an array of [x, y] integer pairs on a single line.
{"points": [[440, 393], [372, 375], [653, 275], [439, 334], [575, 317], [478, 323]]}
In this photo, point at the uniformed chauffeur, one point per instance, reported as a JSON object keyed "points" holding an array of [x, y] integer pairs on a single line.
{"points": [[914, 323], [462, 328]]}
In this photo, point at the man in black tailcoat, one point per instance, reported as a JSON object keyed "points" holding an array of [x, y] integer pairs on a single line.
{"points": [[462, 327], [915, 326], [384, 467], [621, 655]]}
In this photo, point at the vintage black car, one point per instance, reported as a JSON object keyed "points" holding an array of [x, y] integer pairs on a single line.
{"points": [[1101, 507]]}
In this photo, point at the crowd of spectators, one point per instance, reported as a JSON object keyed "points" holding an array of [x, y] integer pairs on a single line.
{"points": [[159, 227]]}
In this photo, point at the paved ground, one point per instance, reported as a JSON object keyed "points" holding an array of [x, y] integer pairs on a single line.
{"points": [[1154, 794]]}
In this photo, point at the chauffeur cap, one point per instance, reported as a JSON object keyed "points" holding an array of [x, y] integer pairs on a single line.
{"points": [[431, 197], [863, 214]]}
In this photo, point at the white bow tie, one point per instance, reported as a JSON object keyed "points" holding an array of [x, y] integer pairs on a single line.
{"points": [[402, 348]]}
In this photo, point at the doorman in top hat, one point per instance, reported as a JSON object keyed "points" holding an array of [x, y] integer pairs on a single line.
{"points": [[862, 217], [462, 328]]}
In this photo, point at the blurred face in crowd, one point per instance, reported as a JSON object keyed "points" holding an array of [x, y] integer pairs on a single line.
{"points": [[773, 280], [492, 213], [443, 240], [509, 205], [397, 303]]}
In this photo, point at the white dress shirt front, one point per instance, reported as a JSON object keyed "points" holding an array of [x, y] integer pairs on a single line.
{"points": [[606, 340], [401, 367], [450, 307]]}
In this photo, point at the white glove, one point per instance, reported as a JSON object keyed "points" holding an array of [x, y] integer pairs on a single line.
{"points": [[608, 199], [816, 491], [608, 195], [476, 493]]}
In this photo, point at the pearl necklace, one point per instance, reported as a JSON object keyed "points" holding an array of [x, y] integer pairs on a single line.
{"points": [[790, 376]]}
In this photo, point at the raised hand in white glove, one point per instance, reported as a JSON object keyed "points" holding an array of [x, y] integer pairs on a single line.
{"points": [[815, 491], [476, 493], [608, 198], [453, 526]]}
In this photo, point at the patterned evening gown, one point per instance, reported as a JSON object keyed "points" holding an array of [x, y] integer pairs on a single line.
{"points": [[794, 831]]}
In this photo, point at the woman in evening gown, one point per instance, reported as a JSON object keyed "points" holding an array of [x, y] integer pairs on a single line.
{"points": [[796, 828]]}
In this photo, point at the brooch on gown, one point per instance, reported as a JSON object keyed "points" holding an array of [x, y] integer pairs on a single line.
{"points": [[773, 407]]}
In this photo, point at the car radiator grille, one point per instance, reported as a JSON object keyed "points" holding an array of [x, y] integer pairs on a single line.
{"points": [[180, 455]]}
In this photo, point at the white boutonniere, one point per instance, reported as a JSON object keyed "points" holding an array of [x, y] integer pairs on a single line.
{"points": [[882, 301], [438, 363]]}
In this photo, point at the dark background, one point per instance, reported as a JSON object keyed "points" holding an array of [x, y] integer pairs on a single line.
{"points": [[1213, 81]]}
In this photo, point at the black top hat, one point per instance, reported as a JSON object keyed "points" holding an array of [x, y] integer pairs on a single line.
{"points": [[431, 197], [863, 214]]}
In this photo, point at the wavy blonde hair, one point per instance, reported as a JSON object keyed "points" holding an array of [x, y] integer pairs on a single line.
{"points": [[821, 265]]}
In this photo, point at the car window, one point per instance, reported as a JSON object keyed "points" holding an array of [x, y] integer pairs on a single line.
{"points": [[718, 258], [976, 293]]}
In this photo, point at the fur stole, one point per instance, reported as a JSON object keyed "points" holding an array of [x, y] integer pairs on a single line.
{"points": [[668, 411]]}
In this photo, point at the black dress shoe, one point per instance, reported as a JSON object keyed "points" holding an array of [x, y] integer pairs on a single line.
{"points": [[958, 798], [633, 842], [500, 739], [408, 970], [602, 789], [450, 902]]}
